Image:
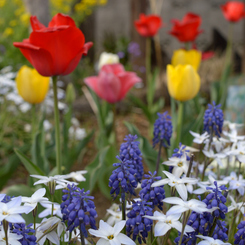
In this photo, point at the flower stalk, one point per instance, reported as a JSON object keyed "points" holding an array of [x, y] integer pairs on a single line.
{"points": [[179, 122], [57, 126]]}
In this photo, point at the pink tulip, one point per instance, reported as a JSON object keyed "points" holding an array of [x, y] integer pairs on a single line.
{"points": [[113, 82]]}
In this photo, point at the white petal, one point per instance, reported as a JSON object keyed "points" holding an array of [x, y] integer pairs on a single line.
{"points": [[160, 182], [103, 241], [177, 209], [15, 218], [173, 200], [39, 193], [125, 239], [53, 237], [118, 227], [181, 189], [161, 229]]}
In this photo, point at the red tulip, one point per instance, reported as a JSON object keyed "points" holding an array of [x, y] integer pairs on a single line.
{"points": [[56, 49], [233, 11], [148, 26], [187, 29], [113, 82]]}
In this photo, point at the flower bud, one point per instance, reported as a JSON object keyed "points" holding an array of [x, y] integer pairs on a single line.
{"points": [[183, 82], [32, 87], [70, 93]]}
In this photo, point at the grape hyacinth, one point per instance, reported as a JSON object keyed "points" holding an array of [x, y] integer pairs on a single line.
{"points": [[138, 225], [203, 223], [213, 119], [155, 195], [123, 179], [217, 199], [130, 153], [78, 209], [240, 235], [162, 130], [27, 233]]}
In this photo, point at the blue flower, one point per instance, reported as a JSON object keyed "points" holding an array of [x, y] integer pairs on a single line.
{"points": [[162, 129], [130, 153], [136, 224], [134, 49], [203, 223], [240, 235], [155, 195], [78, 209], [28, 237], [123, 179], [213, 119]]}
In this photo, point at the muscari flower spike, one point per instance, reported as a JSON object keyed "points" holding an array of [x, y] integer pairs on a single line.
{"points": [[202, 223], [163, 129], [130, 152], [27, 233], [78, 209], [123, 179], [240, 235], [155, 195], [213, 119], [136, 224]]}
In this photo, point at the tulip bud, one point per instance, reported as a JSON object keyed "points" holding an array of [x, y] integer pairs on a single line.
{"points": [[183, 82], [32, 87], [70, 93], [107, 58], [187, 57]]}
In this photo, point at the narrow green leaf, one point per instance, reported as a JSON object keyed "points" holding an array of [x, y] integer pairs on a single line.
{"points": [[30, 166]]}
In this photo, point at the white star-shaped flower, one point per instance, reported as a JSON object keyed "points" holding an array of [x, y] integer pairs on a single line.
{"points": [[111, 235], [78, 175], [37, 197], [211, 241], [199, 138], [183, 206], [167, 222], [178, 183], [12, 238], [11, 211], [180, 165]]}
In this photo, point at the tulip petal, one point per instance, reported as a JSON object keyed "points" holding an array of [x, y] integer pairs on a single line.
{"points": [[63, 46], [36, 24], [60, 20], [128, 80]]}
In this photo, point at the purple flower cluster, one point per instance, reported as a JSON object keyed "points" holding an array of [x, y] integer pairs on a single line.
{"points": [[203, 223], [130, 153], [136, 224], [78, 209], [217, 199], [28, 237], [155, 195], [134, 49], [162, 130], [123, 179], [240, 235], [213, 119]]}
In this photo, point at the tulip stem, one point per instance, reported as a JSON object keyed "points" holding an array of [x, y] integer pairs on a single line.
{"points": [[179, 122], [57, 126]]}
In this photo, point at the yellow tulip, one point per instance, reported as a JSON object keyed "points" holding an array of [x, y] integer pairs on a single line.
{"points": [[183, 82], [187, 57], [32, 87]]}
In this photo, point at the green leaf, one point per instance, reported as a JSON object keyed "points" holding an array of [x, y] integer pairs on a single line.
{"points": [[16, 190], [131, 128], [138, 102], [94, 169], [30, 166]]}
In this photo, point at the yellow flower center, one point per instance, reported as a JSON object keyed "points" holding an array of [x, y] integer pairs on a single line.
{"points": [[4, 213], [110, 237], [180, 164], [168, 222]]}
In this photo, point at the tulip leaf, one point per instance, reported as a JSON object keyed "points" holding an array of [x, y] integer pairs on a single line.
{"points": [[30, 166], [94, 168]]}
